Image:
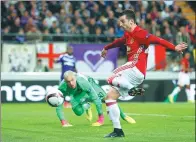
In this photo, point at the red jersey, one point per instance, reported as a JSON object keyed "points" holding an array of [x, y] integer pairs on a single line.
{"points": [[137, 43], [185, 65]]}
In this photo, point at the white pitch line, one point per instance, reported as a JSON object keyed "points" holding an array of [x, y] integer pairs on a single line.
{"points": [[160, 115]]}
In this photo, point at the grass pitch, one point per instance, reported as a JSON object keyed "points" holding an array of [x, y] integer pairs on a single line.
{"points": [[156, 122]]}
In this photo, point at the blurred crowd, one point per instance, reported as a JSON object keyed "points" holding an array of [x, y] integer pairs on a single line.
{"points": [[73, 21]]}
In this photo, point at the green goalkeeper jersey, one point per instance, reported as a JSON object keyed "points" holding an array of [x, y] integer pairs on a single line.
{"points": [[86, 89]]}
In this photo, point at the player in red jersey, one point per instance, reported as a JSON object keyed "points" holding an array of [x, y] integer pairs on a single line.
{"points": [[183, 79], [127, 77]]}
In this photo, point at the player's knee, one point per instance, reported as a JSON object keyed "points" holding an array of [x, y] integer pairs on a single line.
{"points": [[188, 87], [112, 94], [110, 79], [78, 110]]}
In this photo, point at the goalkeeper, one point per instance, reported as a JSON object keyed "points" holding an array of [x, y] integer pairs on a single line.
{"points": [[83, 90]]}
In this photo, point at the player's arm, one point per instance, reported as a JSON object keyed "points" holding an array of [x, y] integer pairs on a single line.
{"points": [[145, 38], [59, 109], [90, 91], [59, 59], [60, 114], [116, 43]]}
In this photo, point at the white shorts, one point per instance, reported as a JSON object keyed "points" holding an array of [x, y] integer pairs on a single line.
{"points": [[131, 76], [183, 79]]}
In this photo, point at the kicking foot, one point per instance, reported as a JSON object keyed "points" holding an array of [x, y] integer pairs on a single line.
{"points": [[115, 133], [136, 91], [130, 120]]}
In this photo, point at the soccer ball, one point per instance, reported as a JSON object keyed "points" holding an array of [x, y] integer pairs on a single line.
{"points": [[54, 98]]}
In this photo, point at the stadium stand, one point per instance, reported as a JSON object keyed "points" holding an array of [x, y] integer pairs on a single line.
{"points": [[89, 21]]}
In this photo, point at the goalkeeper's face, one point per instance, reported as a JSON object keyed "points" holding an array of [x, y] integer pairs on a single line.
{"points": [[71, 81]]}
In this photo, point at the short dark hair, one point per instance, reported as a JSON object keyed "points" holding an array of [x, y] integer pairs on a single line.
{"points": [[130, 14], [39, 60]]}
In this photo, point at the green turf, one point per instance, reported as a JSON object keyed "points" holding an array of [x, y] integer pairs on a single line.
{"points": [[156, 122]]}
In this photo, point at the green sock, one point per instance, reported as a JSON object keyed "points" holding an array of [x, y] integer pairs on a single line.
{"points": [[122, 115]]}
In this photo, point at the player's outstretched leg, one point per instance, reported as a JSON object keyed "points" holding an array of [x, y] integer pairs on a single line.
{"points": [[126, 117], [114, 113], [190, 97], [174, 92], [87, 107]]}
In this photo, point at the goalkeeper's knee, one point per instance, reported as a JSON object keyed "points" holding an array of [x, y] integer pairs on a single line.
{"points": [[78, 110]]}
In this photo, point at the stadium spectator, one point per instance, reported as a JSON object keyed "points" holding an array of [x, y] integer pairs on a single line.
{"points": [[30, 24], [62, 16], [54, 7], [43, 26], [148, 19], [192, 36], [99, 37], [21, 9], [127, 5], [34, 12], [24, 19], [42, 14], [66, 27], [46, 36], [165, 13], [67, 6], [79, 25], [168, 35], [58, 36], [96, 12], [15, 28], [111, 19], [40, 67], [153, 27], [33, 35], [20, 37], [183, 36], [85, 33], [50, 18], [92, 27], [52, 29], [6, 31]]}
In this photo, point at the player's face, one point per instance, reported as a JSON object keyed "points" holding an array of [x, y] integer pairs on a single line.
{"points": [[187, 56], [71, 82], [125, 23]]}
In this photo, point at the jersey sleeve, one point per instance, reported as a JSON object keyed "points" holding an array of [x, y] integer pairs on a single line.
{"points": [[63, 88], [116, 43], [59, 59], [60, 113], [146, 38]]}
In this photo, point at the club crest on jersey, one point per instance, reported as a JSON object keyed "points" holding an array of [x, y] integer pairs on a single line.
{"points": [[132, 40]]}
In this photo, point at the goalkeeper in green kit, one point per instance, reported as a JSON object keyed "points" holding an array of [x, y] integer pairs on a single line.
{"points": [[84, 90]]}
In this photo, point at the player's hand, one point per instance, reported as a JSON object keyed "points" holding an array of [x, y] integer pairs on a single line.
{"points": [[103, 53], [65, 123], [180, 47]]}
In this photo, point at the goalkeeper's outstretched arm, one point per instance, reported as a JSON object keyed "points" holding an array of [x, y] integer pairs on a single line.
{"points": [[60, 115]]}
